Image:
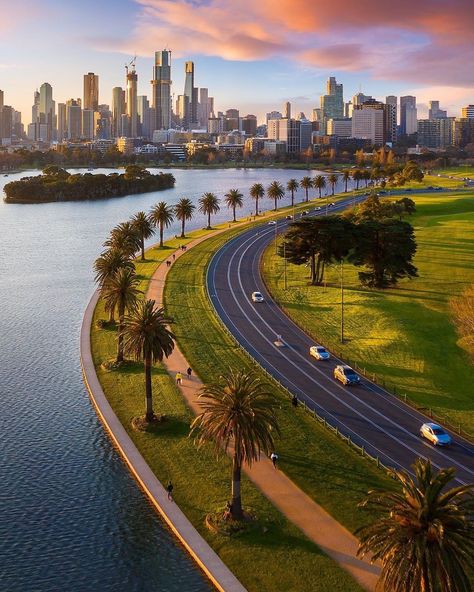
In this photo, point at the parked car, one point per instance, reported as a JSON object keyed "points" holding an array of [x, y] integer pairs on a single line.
{"points": [[319, 352], [257, 297], [346, 375], [435, 434]]}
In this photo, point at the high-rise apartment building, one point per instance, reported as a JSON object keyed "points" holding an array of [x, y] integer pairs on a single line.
{"points": [[392, 102], [332, 103], [205, 107], [144, 123], [408, 115], [467, 112], [368, 123], [191, 92], [249, 125], [74, 119], [435, 112], [161, 91], [91, 91], [435, 132], [88, 126], [342, 128], [463, 132], [118, 109], [6, 125], [62, 122], [132, 82]]}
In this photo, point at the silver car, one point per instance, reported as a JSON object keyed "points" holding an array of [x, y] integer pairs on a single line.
{"points": [[435, 434], [319, 352]]}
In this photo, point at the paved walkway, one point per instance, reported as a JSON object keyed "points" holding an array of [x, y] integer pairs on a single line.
{"points": [[299, 508]]}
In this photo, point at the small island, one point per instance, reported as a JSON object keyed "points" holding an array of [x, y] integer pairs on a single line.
{"points": [[56, 184]]}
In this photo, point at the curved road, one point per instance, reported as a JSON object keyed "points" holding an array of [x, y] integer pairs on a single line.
{"points": [[374, 418]]}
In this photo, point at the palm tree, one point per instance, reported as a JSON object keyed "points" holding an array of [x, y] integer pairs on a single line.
{"points": [[121, 292], [292, 186], [239, 412], [346, 175], [144, 227], [161, 215], [306, 183], [234, 199], [319, 183], [125, 238], [333, 179], [209, 204], [357, 177], [183, 211], [275, 191], [366, 177], [425, 537], [147, 337], [257, 191], [106, 266]]}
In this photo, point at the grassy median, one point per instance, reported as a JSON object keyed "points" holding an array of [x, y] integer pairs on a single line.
{"points": [[405, 334]]}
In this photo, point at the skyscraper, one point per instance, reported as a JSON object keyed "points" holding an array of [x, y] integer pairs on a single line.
{"points": [[118, 109], [143, 112], [62, 122], [392, 114], [161, 90], [287, 110], [467, 112], [132, 80], [191, 93], [408, 115], [1, 99], [332, 103], [91, 91], [74, 119], [47, 111]]}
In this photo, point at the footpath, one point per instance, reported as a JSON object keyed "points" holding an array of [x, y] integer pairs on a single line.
{"points": [[330, 536]]}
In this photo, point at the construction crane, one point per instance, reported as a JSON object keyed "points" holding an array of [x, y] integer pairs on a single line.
{"points": [[131, 63]]}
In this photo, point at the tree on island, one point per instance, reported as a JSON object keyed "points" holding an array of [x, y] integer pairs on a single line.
{"points": [[209, 204], [424, 536], [292, 186], [106, 266], [257, 191], [275, 191], [161, 215], [238, 414], [234, 199], [306, 183], [121, 293], [125, 238], [144, 228], [146, 337], [183, 211]]}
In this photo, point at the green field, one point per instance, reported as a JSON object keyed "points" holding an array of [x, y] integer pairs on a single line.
{"points": [[457, 171], [404, 335]]}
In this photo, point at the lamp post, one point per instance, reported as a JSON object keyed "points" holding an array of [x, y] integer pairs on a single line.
{"points": [[342, 300]]}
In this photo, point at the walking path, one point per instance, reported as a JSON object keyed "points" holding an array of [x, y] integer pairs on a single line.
{"points": [[335, 540]]}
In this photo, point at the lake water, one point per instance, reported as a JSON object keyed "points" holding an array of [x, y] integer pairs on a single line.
{"points": [[71, 516]]}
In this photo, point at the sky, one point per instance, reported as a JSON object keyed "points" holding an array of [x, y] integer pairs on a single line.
{"points": [[253, 55]]}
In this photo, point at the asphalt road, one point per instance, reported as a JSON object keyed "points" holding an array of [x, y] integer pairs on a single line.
{"points": [[367, 413]]}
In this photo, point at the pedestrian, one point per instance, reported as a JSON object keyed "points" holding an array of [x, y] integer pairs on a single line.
{"points": [[168, 263], [169, 489], [189, 371], [179, 378], [184, 247], [274, 458], [174, 256], [294, 401]]}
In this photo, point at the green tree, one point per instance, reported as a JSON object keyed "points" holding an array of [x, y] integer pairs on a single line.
{"points": [[275, 191], [357, 177], [234, 199], [332, 180], [184, 211], [412, 171], [209, 204], [147, 337], [55, 172], [374, 209], [306, 183], [292, 186], [125, 238], [238, 415], [105, 268], [257, 191], [386, 248], [161, 215], [346, 175], [319, 183], [424, 536], [121, 293], [135, 171], [406, 205], [144, 227]]}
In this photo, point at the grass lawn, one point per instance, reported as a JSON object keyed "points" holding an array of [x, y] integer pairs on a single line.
{"points": [[404, 334], [457, 171], [277, 557]]}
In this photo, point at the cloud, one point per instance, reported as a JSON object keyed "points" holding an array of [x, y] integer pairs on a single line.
{"points": [[14, 16]]}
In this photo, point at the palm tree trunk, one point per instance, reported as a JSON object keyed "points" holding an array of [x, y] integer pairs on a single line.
{"points": [[292, 198], [345, 190], [306, 191], [256, 207], [148, 395], [314, 272], [234, 215], [209, 220], [121, 313], [112, 315], [182, 229], [275, 200], [143, 248], [236, 504], [319, 192], [161, 233]]}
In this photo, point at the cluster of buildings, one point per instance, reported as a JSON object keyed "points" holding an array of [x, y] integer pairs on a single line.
{"points": [[135, 123]]}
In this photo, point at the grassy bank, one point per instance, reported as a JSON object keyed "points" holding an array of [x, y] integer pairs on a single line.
{"points": [[404, 335]]}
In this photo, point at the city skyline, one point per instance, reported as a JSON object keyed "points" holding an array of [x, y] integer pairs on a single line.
{"points": [[254, 75]]}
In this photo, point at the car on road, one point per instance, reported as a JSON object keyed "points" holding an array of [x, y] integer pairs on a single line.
{"points": [[272, 223], [435, 434], [257, 297], [318, 209], [305, 212], [289, 217], [319, 352], [346, 375]]}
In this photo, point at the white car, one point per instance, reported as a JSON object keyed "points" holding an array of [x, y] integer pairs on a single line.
{"points": [[272, 223], [319, 352], [318, 208], [435, 434], [257, 297]]}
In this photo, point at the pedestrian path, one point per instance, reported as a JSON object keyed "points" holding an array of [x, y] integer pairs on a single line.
{"points": [[335, 540]]}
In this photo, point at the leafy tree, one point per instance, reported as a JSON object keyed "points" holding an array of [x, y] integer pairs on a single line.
{"points": [[146, 337], [405, 206], [412, 171], [386, 248], [234, 199], [319, 183], [275, 191], [374, 209], [238, 414], [292, 186], [161, 215], [357, 177], [209, 204], [306, 183], [346, 175], [125, 238], [55, 172], [332, 180], [183, 211], [144, 227], [106, 266], [424, 536], [121, 292], [135, 171], [257, 191], [462, 309]]}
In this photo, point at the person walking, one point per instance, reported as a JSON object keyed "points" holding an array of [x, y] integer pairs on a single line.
{"points": [[189, 371], [274, 458], [179, 378], [169, 489], [294, 401]]}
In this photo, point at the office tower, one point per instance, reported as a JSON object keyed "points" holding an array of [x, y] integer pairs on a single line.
{"points": [[132, 81], [47, 112], [463, 130], [87, 124], [306, 134], [386, 134], [118, 109], [316, 114], [467, 112], [62, 122], [287, 110], [360, 98], [74, 119], [342, 128], [191, 93], [1, 99], [289, 132], [91, 91], [332, 103], [435, 112], [35, 108], [408, 113], [273, 115], [18, 127], [161, 91], [249, 125], [6, 125], [348, 107], [103, 123], [205, 108], [368, 123], [392, 101], [435, 132], [143, 112]]}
